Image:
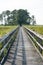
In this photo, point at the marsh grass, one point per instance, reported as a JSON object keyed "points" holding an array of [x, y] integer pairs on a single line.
{"points": [[36, 28], [6, 29]]}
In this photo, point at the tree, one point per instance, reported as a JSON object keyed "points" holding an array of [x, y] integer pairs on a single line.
{"points": [[7, 13], [33, 20], [1, 18], [14, 17], [29, 20], [22, 16], [4, 17]]}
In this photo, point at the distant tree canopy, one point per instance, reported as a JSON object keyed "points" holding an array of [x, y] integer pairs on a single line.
{"points": [[15, 17], [23, 15]]}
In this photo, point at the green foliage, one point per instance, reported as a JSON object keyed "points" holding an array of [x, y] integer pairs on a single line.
{"points": [[5, 51], [33, 20], [22, 16], [1, 17], [1, 46], [0, 58], [7, 12]]}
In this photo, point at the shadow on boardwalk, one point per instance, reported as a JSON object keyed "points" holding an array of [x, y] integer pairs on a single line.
{"points": [[23, 52]]}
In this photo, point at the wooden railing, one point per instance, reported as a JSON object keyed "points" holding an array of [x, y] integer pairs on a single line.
{"points": [[5, 44], [38, 41]]}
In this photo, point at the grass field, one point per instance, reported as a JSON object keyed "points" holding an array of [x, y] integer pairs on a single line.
{"points": [[36, 28], [6, 29]]}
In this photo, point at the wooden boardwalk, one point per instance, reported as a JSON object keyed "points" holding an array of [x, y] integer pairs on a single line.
{"points": [[23, 52]]}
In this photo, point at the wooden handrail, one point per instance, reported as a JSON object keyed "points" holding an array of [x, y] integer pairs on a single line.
{"points": [[5, 41], [38, 45]]}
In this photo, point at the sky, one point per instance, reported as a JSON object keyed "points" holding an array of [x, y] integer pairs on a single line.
{"points": [[34, 7]]}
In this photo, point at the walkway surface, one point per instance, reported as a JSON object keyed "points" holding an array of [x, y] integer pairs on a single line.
{"points": [[23, 52]]}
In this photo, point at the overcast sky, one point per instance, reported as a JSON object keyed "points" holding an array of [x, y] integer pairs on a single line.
{"points": [[35, 7]]}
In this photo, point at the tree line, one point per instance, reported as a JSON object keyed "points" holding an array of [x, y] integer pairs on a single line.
{"points": [[15, 17]]}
